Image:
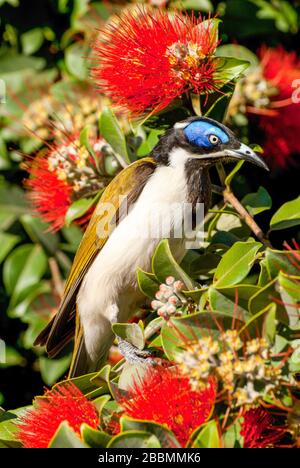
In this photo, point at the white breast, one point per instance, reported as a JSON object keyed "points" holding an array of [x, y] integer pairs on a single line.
{"points": [[111, 279]]}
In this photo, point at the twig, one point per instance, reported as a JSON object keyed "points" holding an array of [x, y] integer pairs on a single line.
{"points": [[57, 280], [229, 197]]}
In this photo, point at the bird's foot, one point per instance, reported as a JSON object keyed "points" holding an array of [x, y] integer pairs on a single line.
{"points": [[134, 355]]}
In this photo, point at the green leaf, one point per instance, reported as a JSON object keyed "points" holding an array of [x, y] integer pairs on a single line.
{"points": [[147, 282], [257, 202], [94, 438], [238, 51], [131, 374], [289, 289], [208, 437], [52, 369], [164, 265], [236, 264], [85, 142], [278, 260], [8, 427], [269, 328], [12, 358], [78, 208], [287, 216], [232, 437], [13, 201], [147, 146], [166, 438], [32, 41], [264, 299], [7, 242], [65, 437], [23, 269], [197, 5], [136, 439], [37, 231], [229, 69], [179, 331], [112, 133], [75, 60], [130, 332], [232, 301], [234, 171]]}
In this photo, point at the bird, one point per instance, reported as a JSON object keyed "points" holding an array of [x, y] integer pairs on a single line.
{"points": [[102, 288]]}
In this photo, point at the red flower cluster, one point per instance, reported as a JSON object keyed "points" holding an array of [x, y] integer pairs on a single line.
{"points": [[165, 396], [147, 59], [258, 429], [37, 427], [281, 128], [56, 179]]}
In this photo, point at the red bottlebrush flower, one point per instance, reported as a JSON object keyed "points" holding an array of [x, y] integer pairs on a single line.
{"points": [[258, 429], [63, 175], [50, 196], [63, 403], [147, 59], [281, 128], [165, 396]]}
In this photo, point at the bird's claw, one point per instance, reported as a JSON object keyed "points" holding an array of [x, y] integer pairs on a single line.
{"points": [[134, 355]]}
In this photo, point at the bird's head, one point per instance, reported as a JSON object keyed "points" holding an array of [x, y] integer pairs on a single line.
{"points": [[205, 140]]}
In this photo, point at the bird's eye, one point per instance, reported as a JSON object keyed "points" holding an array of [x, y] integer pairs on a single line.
{"points": [[214, 139]]}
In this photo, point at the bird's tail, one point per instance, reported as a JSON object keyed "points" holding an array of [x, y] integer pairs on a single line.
{"points": [[81, 362]]}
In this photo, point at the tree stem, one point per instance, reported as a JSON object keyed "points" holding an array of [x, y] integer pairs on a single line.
{"points": [[229, 197]]}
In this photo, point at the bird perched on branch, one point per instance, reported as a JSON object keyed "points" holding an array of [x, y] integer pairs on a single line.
{"points": [[102, 288]]}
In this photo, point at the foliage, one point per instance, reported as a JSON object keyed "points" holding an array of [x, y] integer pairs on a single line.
{"points": [[232, 281]]}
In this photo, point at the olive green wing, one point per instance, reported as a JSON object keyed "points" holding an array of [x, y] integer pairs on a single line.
{"points": [[129, 182]]}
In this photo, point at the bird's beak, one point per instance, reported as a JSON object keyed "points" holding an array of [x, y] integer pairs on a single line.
{"points": [[247, 154]]}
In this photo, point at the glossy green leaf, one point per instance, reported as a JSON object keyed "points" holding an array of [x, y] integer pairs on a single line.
{"points": [[208, 436], [178, 331], [289, 289], [94, 438], [65, 437], [32, 40], [287, 216], [8, 427], [232, 173], [23, 268], [38, 231], [257, 202], [238, 51], [136, 439], [130, 332], [147, 282], [198, 5], [112, 133], [52, 369], [232, 301], [76, 60], [164, 265], [281, 260], [13, 201], [166, 438], [7, 242], [78, 209], [236, 264], [229, 68]]}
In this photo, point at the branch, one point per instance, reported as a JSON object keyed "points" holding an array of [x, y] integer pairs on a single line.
{"points": [[229, 197], [57, 280]]}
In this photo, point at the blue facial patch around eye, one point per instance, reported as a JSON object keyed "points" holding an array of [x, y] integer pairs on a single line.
{"points": [[198, 132]]}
